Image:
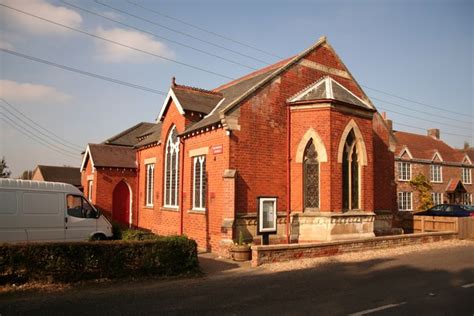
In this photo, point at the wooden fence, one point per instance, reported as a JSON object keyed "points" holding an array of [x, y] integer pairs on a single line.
{"points": [[464, 226]]}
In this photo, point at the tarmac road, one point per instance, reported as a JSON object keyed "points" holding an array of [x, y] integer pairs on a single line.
{"points": [[429, 282]]}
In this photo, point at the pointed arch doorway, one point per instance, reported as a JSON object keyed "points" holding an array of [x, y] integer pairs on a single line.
{"points": [[122, 204]]}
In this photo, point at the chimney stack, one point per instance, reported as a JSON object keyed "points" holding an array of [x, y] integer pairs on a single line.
{"points": [[387, 121], [433, 132]]}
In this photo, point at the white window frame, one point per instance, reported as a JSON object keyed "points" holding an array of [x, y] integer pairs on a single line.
{"points": [[199, 205], [436, 201], [90, 187], [468, 198], [174, 147], [466, 176], [149, 183], [436, 177], [407, 171], [404, 199], [260, 215]]}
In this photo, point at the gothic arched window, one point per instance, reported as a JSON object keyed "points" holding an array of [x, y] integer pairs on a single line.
{"points": [[350, 174], [311, 177], [172, 169]]}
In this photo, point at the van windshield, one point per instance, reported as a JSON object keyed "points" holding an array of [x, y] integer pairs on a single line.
{"points": [[78, 207]]}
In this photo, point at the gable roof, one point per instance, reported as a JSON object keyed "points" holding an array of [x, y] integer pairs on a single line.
{"points": [[455, 185], [469, 152], [71, 175], [150, 137], [112, 156], [327, 88], [238, 90], [129, 137], [425, 147]]}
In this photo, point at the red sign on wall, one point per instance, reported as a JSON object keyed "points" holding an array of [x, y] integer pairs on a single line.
{"points": [[217, 149]]}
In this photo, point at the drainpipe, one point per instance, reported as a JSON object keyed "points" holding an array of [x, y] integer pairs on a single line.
{"points": [[181, 186], [288, 175], [137, 189]]}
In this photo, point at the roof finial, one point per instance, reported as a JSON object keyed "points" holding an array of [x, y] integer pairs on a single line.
{"points": [[173, 82]]}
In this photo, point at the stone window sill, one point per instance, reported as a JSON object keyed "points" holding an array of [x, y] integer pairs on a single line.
{"points": [[169, 209], [201, 212]]}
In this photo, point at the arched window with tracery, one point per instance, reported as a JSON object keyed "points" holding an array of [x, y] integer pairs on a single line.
{"points": [[350, 174], [311, 177], [172, 169]]}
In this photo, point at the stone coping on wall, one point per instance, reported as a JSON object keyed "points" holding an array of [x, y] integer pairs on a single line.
{"points": [[333, 214], [262, 254]]}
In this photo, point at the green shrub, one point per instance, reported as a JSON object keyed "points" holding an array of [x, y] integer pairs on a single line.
{"points": [[75, 261], [135, 234]]}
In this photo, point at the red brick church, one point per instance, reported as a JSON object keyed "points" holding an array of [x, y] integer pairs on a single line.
{"points": [[299, 137]]}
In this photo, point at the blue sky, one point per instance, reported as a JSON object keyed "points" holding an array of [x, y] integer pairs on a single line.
{"points": [[419, 50]]}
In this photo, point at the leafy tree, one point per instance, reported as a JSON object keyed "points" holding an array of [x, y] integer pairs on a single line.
{"points": [[421, 184], [466, 145], [4, 172], [27, 175]]}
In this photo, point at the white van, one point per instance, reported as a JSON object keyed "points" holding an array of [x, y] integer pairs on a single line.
{"points": [[47, 211]]}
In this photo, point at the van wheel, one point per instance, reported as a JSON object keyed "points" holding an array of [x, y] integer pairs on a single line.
{"points": [[98, 237]]}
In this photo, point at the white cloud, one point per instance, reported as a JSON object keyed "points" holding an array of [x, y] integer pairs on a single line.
{"points": [[28, 92], [111, 53], [6, 45], [43, 9]]}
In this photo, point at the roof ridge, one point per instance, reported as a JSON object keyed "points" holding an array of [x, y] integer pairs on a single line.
{"points": [[254, 74], [277, 71], [123, 132], [180, 86]]}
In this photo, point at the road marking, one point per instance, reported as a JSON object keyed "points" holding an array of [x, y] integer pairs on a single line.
{"points": [[467, 285], [368, 311]]}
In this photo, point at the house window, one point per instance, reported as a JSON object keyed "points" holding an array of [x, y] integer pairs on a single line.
{"points": [[150, 183], [466, 176], [436, 173], [437, 198], [404, 171], [172, 169], [90, 186], [311, 177], [350, 174], [405, 201], [199, 183], [468, 198]]}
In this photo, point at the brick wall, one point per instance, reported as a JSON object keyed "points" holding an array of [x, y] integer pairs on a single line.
{"points": [[279, 253], [448, 173], [104, 182]]}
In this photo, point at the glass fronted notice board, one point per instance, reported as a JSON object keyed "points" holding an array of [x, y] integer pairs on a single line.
{"points": [[267, 217]]}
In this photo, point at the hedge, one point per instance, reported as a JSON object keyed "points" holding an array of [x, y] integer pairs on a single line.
{"points": [[76, 261]]}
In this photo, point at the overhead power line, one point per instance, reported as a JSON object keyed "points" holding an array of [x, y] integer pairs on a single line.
{"points": [[158, 36], [146, 8], [117, 43], [419, 111], [422, 119], [82, 72], [413, 101], [33, 137], [204, 30], [130, 47], [424, 129], [182, 33], [42, 133], [61, 140]]}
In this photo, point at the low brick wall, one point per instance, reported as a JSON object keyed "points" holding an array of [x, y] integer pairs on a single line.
{"points": [[278, 253]]}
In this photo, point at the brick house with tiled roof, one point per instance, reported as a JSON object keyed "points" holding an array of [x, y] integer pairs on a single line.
{"points": [[449, 170], [108, 170], [299, 138]]}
